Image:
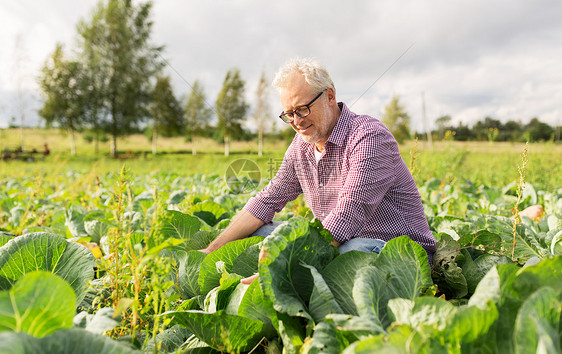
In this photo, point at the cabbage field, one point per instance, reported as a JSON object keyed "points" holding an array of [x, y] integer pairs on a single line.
{"points": [[108, 263]]}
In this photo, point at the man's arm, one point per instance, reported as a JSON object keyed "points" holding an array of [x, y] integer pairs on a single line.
{"points": [[243, 225]]}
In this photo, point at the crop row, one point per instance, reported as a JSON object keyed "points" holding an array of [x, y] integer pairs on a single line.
{"points": [[113, 267]]}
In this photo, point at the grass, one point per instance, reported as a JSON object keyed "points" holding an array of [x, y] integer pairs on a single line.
{"points": [[480, 162]]}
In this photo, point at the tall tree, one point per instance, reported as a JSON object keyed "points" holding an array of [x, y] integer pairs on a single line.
{"points": [[96, 111], [62, 88], [397, 120], [167, 114], [197, 113], [261, 112], [119, 35], [231, 108]]}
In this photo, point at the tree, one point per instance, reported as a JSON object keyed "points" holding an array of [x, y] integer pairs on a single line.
{"points": [[197, 114], [463, 132], [118, 34], [482, 129], [442, 124], [96, 85], [512, 131], [536, 130], [230, 108], [60, 84], [397, 120], [261, 113], [167, 114]]}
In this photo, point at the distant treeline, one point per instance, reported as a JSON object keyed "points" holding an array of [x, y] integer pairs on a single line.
{"points": [[490, 129]]}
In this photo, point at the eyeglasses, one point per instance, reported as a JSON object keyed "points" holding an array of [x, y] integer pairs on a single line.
{"points": [[301, 111]]}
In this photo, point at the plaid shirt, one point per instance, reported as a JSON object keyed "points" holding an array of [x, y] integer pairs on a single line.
{"points": [[361, 187]]}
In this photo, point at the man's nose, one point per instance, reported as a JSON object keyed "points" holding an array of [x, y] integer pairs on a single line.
{"points": [[298, 120]]}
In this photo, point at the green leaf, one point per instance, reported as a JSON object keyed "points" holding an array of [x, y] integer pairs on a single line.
{"points": [[537, 327], [340, 274], [427, 315], [170, 340], [99, 322], [236, 298], [221, 331], [176, 197], [209, 276], [488, 289], [447, 274], [482, 239], [255, 306], [228, 285], [498, 286], [181, 226], [5, 237], [556, 244], [354, 327], [188, 273], [283, 279], [400, 339], [210, 212], [75, 223], [547, 272], [322, 301], [96, 229], [327, 339], [400, 270], [38, 304], [246, 264], [42, 251], [64, 341], [527, 244], [291, 332], [468, 323], [201, 239], [480, 267]]}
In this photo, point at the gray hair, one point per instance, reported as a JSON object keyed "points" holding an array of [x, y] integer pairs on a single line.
{"points": [[315, 74]]}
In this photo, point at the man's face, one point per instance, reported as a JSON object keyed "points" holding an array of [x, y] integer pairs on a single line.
{"points": [[317, 126]]}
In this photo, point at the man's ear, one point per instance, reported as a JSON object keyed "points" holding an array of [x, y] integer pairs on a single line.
{"points": [[331, 94]]}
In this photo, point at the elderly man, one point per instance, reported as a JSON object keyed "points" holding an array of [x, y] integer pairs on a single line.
{"points": [[347, 166]]}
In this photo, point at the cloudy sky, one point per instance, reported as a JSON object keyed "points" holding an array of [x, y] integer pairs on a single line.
{"points": [[469, 59]]}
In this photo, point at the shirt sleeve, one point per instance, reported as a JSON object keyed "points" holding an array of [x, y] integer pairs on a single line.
{"points": [[372, 161], [283, 188]]}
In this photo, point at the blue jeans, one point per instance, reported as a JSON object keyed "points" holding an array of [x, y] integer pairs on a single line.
{"points": [[367, 245], [266, 229]]}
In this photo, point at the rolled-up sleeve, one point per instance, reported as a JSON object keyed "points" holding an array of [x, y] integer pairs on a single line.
{"points": [[370, 175]]}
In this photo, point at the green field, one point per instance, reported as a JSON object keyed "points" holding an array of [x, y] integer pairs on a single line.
{"points": [[479, 162], [100, 254]]}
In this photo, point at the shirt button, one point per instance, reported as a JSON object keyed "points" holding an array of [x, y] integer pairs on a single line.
{"points": [[320, 184]]}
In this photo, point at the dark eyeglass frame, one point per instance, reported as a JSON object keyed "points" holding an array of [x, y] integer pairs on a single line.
{"points": [[288, 117]]}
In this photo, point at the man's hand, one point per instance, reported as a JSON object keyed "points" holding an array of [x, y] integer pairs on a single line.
{"points": [[250, 279]]}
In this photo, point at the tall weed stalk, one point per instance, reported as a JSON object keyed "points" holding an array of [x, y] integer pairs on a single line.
{"points": [[522, 169]]}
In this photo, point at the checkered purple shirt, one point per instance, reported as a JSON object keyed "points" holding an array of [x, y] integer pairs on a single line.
{"points": [[361, 187]]}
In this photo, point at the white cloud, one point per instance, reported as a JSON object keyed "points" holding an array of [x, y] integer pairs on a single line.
{"points": [[471, 58]]}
